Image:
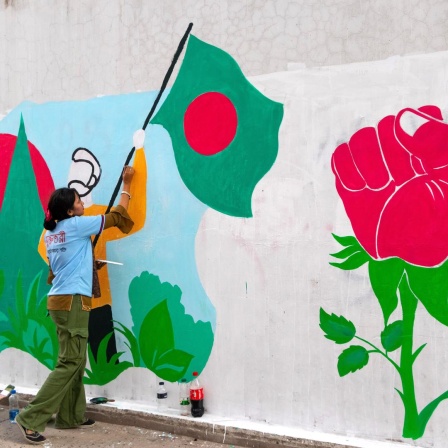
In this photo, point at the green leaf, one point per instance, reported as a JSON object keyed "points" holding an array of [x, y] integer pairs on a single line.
{"points": [[385, 276], [336, 328], [352, 359], [146, 292], [172, 365], [430, 286], [429, 409], [354, 261], [392, 336], [346, 252], [132, 342], [417, 352], [156, 335], [103, 370], [354, 253], [346, 240]]}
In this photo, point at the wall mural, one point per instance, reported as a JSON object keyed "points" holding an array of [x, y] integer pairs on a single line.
{"points": [[212, 140], [393, 182]]}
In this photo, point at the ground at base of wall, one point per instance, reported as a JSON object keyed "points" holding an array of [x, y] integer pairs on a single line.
{"points": [[101, 435], [116, 428]]}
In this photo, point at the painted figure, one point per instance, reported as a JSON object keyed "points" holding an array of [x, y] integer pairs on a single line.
{"points": [[84, 175]]}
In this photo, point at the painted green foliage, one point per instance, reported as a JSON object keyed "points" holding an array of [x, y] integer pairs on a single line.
{"points": [[103, 370], [23, 321], [163, 339], [225, 180], [394, 283], [172, 345]]}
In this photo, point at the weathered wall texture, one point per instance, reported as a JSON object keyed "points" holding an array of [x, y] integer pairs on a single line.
{"points": [[261, 281], [60, 50]]}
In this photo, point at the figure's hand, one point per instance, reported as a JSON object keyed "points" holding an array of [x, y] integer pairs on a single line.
{"points": [[99, 264], [128, 174], [85, 171], [139, 139], [393, 182]]}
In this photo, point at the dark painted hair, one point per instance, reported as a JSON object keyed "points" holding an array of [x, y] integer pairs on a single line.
{"points": [[61, 201]]}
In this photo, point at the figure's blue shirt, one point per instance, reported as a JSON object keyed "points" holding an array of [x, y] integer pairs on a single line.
{"points": [[69, 251]]}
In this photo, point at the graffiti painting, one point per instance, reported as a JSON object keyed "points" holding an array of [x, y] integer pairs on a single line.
{"points": [[393, 182], [211, 141]]}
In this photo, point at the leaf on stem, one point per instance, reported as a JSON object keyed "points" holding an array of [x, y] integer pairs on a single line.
{"points": [[336, 328], [345, 240], [417, 352], [353, 262], [352, 359], [392, 336]]}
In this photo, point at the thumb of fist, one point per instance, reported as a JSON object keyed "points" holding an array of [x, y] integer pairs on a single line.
{"points": [[139, 139]]}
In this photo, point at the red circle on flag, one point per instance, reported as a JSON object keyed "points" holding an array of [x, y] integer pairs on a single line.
{"points": [[210, 123]]}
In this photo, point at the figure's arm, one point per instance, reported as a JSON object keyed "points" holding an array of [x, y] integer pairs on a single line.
{"points": [[137, 206], [136, 203], [118, 217]]}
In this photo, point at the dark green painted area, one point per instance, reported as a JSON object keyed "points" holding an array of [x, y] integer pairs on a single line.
{"points": [[172, 344], [224, 181], [23, 321]]}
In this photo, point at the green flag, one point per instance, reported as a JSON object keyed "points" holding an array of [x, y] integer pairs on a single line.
{"points": [[223, 130]]}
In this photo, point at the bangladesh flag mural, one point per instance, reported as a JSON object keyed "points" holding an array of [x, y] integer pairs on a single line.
{"points": [[224, 131]]}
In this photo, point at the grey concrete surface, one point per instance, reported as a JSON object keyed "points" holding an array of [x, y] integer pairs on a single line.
{"points": [[120, 428], [102, 434]]}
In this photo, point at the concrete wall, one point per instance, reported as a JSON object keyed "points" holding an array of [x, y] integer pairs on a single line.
{"points": [[268, 276], [60, 50]]}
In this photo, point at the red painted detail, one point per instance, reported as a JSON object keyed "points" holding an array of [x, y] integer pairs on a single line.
{"points": [[44, 180], [210, 123], [394, 185]]}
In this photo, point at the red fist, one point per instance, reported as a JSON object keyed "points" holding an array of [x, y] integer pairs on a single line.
{"points": [[394, 186]]}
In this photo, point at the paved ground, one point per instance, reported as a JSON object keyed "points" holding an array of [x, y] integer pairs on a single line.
{"points": [[101, 435], [119, 427]]}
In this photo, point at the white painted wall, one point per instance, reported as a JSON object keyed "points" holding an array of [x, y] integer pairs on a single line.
{"points": [[267, 276], [268, 297]]}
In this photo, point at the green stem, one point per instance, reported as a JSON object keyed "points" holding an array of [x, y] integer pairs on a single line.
{"points": [[377, 350], [411, 426]]}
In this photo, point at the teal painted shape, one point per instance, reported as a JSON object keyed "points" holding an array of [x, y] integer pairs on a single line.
{"points": [[23, 322], [171, 343]]}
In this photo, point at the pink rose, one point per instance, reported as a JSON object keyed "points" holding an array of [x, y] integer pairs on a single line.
{"points": [[394, 186]]}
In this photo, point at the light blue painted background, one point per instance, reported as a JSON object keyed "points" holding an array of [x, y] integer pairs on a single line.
{"points": [[105, 125]]}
